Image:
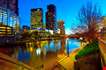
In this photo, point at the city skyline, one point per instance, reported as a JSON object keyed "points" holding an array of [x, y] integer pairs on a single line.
{"points": [[67, 10], [53, 34]]}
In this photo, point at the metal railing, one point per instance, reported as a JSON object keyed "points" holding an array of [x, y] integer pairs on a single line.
{"points": [[102, 46], [12, 64]]}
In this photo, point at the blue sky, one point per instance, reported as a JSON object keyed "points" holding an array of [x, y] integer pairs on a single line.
{"points": [[67, 10]]}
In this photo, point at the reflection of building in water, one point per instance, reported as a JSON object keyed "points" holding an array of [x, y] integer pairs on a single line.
{"points": [[63, 44], [56, 44], [61, 27]]}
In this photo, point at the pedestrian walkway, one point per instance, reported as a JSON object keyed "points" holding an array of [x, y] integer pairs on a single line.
{"points": [[65, 61], [68, 61]]}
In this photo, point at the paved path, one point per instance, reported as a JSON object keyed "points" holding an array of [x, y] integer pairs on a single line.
{"points": [[67, 61]]}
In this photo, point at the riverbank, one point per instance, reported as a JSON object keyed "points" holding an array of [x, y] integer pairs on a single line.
{"points": [[68, 62], [89, 57]]}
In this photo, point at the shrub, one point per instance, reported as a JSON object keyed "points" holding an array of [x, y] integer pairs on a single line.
{"points": [[88, 49]]}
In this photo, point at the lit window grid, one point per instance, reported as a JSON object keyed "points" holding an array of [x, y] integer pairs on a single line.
{"points": [[0, 17], [3, 15], [14, 21]]}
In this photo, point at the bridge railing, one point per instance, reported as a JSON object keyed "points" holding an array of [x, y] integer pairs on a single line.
{"points": [[8, 63], [102, 46]]}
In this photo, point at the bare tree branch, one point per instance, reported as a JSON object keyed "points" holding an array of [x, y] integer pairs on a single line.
{"points": [[89, 15]]}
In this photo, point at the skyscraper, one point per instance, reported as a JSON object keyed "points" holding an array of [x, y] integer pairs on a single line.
{"points": [[12, 5], [9, 13], [51, 18], [36, 18]]}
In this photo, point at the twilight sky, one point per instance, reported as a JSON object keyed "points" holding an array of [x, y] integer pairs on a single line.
{"points": [[67, 10]]}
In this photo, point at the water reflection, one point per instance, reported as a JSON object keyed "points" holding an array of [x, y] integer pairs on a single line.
{"points": [[73, 44], [63, 45], [44, 47], [52, 46]]}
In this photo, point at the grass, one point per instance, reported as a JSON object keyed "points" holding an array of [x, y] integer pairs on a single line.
{"points": [[88, 49]]}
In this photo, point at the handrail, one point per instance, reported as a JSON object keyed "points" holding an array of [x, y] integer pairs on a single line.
{"points": [[14, 61], [102, 46]]}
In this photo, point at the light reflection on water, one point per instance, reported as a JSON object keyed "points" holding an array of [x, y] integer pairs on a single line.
{"points": [[51, 46]]}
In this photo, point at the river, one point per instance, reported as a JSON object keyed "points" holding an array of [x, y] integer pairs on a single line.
{"points": [[63, 45]]}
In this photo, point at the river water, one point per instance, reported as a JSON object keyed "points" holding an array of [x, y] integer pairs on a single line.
{"points": [[64, 45]]}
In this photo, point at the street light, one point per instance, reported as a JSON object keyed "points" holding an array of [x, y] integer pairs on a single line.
{"points": [[67, 42], [81, 39]]}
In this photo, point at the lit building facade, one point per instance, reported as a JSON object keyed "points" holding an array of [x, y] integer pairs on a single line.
{"points": [[51, 18], [5, 30], [61, 27], [36, 18], [8, 15]]}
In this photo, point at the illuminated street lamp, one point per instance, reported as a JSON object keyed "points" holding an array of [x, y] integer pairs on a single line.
{"points": [[81, 39], [67, 42]]}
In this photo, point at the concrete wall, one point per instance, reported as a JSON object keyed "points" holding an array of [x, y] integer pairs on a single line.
{"points": [[8, 63]]}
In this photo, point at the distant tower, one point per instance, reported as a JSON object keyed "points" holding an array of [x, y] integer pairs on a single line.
{"points": [[51, 18], [36, 18], [26, 28], [61, 27]]}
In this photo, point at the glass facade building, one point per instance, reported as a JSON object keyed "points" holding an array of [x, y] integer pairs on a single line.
{"points": [[8, 16]]}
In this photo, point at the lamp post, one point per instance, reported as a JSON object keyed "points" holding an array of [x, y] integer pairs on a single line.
{"points": [[67, 40], [81, 39]]}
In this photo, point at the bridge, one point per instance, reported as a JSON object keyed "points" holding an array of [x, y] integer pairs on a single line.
{"points": [[74, 36]]}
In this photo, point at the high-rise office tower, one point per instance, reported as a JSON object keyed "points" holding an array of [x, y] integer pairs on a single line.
{"points": [[51, 18], [9, 14], [11, 5], [36, 18]]}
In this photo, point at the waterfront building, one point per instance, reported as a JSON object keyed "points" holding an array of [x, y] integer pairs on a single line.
{"points": [[5, 30], [8, 16], [61, 27], [36, 18], [51, 18]]}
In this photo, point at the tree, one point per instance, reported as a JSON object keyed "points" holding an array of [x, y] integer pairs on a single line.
{"points": [[89, 15]]}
